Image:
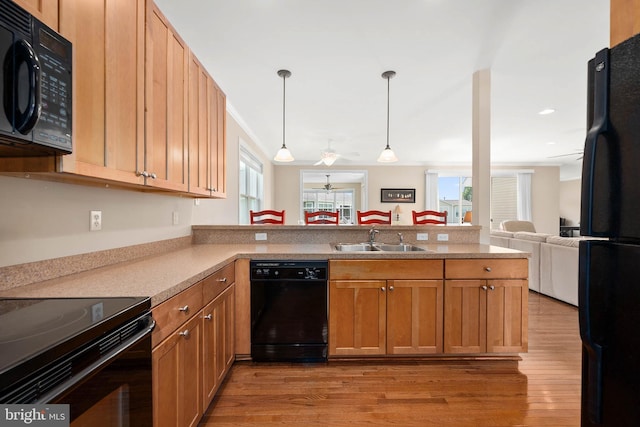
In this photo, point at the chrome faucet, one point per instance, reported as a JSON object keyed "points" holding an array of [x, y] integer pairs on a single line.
{"points": [[401, 238], [372, 235]]}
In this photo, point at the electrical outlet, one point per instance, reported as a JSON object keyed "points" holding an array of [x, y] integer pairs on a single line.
{"points": [[261, 236], [443, 237], [95, 221], [176, 218], [422, 236]]}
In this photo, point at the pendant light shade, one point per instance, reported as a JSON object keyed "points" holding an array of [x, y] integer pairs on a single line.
{"points": [[283, 155], [387, 155]]}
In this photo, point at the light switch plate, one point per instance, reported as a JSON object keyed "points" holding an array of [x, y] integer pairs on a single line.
{"points": [[422, 236], [443, 237], [261, 236]]}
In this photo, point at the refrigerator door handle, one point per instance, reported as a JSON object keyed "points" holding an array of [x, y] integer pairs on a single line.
{"points": [[599, 128], [593, 349]]}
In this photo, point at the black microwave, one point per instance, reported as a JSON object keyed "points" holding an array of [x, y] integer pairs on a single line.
{"points": [[35, 86]]}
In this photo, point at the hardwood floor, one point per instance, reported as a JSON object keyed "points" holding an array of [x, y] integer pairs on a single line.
{"points": [[542, 390]]}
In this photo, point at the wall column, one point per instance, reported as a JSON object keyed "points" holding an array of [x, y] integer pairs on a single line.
{"points": [[481, 163], [624, 20]]}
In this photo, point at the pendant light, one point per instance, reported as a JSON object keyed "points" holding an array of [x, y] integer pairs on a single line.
{"points": [[283, 155], [387, 155]]}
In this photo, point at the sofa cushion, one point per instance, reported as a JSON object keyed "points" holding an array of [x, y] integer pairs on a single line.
{"points": [[572, 242], [527, 235], [501, 233], [512, 225]]}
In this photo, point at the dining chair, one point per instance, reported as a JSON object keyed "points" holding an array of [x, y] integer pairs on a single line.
{"points": [[267, 216], [321, 217], [430, 217], [374, 217]]}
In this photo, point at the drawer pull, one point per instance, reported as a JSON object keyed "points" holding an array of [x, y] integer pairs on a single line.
{"points": [[484, 287], [184, 333], [223, 279], [184, 309], [208, 317], [487, 269]]}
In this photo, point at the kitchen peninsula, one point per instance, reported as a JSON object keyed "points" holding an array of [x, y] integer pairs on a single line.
{"points": [[474, 295]]}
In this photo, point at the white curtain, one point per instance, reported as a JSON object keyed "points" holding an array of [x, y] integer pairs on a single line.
{"points": [[431, 191], [524, 196]]}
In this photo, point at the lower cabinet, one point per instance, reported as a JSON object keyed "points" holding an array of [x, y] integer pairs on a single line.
{"points": [[486, 306], [218, 343], [400, 315], [191, 357], [176, 385]]}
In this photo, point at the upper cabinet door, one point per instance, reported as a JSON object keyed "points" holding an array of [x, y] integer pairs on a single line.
{"points": [[166, 89], [108, 75], [218, 143], [45, 10]]}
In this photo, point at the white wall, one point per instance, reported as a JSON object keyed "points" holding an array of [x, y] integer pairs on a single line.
{"points": [[570, 200], [42, 220]]}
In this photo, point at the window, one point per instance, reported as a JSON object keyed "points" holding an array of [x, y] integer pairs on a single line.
{"points": [[452, 192], [332, 201], [251, 186], [454, 196]]}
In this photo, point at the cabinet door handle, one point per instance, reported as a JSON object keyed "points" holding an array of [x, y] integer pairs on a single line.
{"points": [[184, 309], [208, 317], [184, 333], [484, 287], [391, 288], [144, 174], [383, 289], [223, 279], [487, 269], [153, 175], [492, 287]]}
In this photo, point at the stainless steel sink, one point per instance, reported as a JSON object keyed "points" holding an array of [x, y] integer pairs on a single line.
{"points": [[366, 247], [402, 247], [355, 247]]}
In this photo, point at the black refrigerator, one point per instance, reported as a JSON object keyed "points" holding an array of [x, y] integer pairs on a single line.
{"points": [[609, 276]]}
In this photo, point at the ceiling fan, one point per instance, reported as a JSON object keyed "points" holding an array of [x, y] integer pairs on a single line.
{"points": [[328, 156], [328, 186], [578, 152]]}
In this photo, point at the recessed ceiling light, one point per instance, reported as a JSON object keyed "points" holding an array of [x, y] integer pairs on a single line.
{"points": [[551, 143], [546, 111]]}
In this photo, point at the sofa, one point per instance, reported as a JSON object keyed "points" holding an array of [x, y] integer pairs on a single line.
{"points": [[553, 265]]}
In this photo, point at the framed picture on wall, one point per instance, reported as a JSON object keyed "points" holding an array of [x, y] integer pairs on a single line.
{"points": [[397, 195]]}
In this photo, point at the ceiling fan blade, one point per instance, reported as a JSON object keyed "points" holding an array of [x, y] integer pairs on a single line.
{"points": [[319, 162]]}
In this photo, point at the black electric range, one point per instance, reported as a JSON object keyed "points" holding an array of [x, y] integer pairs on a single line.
{"points": [[39, 336]]}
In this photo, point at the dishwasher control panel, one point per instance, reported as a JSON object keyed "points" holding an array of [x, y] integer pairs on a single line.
{"points": [[289, 270]]}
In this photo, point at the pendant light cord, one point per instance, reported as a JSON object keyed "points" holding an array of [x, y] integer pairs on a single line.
{"points": [[388, 84], [284, 91]]}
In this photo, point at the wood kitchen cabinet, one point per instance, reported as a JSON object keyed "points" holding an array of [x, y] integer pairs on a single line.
{"points": [[207, 139], [176, 382], [108, 93], [167, 65], [394, 307], [193, 348], [486, 306], [218, 355], [45, 10]]}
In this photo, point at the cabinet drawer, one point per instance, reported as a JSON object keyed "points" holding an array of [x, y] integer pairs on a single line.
{"points": [[175, 311], [385, 269], [213, 285], [486, 268]]}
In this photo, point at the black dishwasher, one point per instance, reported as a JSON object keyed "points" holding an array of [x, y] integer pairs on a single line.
{"points": [[289, 311]]}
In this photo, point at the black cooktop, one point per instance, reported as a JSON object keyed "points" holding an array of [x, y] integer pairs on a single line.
{"points": [[36, 332]]}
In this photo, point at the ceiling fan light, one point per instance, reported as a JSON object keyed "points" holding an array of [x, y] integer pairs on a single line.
{"points": [[387, 156], [283, 155], [329, 160]]}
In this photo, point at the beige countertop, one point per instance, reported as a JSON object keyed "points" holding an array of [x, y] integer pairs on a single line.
{"points": [[162, 276]]}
